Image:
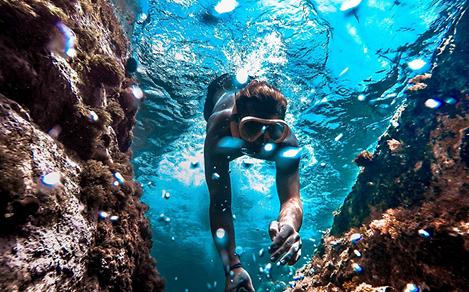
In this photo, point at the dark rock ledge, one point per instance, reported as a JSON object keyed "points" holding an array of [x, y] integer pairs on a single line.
{"points": [[67, 110], [405, 224]]}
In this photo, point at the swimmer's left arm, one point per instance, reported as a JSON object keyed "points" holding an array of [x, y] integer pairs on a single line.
{"points": [[286, 242]]}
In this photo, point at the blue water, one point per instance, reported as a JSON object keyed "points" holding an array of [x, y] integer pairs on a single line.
{"points": [[344, 73]]}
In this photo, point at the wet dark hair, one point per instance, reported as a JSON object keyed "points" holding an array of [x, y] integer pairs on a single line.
{"points": [[262, 100]]}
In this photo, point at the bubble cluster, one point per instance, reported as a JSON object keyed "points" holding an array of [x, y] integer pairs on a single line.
{"points": [[225, 6], [411, 287], [433, 103], [355, 238], [357, 268], [51, 179], [119, 178], [93, 116], [416, 64], [215, 176], [165, 194], [424, 233], [349, 4]]}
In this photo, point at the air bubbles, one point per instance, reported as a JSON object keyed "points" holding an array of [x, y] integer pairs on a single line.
{"points": [[424, 233], [119, 178], [357, 253], [229, 145], [411, 287], [242, 76], [220, 233], [102, 215], [51, 179], [361, 97], [298, 277], [114, 218], [165, 194], [66, 45], [338, 137], [291, 152], [357, 268], [451, 101], [416, 64], [355, 238], [261, 252], [55, 131], [349, 4], [137, 92], [141, 17], [215, 176], [344, 71], [93, 116], [225, 6], [239, 250], [433, 103], [269, 147]]}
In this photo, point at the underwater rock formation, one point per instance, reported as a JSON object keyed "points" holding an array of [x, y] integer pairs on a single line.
{"points": [[70, 213], [405, 224]]}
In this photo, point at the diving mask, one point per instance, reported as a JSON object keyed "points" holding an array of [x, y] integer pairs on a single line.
{"points": [[251, 128]]}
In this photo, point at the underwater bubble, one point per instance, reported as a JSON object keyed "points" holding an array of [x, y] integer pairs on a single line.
{"points": [[215, 176], [51, 179], [162, 216], [323, 164], [432, 103], [451, 100], [115, 183], [229, 145], [173, 238], [355, 238], [357, 268], [291, 152], [344, 71], [242, 76], [93, 116], [220, 233], [411, 287], [361, 97], [261, 252], [137, 92], [416, 64], [357, 253], [394, 123], [209, 286], [261, 270], [239, 250], [141, 17], [102, 215], [114, 218], [118, 176], [55, 131], [349, 4], [298, 277], [167, 219], [338, 137], [424, 233], [225, 6], [175, 278], [165, 195], [69, 38], [269, 147], [214, 284]]}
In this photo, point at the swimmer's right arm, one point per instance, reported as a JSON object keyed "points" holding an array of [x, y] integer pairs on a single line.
{"points": [[219, 186]]}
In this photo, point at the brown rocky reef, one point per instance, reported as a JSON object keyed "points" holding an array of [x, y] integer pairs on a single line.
{"points": [[67, 108], [405, 224]]}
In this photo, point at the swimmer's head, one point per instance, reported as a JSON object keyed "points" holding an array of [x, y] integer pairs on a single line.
{"points": [[260, 99]]}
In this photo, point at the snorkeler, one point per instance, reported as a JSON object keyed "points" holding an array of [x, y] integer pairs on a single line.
{"points": [[250, 121]]}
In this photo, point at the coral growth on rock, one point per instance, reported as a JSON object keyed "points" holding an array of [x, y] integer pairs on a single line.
{"points": [[405, 224], [70, 212]]}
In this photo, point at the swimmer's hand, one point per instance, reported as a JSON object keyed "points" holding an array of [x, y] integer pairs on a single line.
{"points": [[286, 243], [239, 281]]}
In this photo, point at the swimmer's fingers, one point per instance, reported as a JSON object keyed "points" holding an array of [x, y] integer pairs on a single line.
{"points": [[273, 230], [282, 245], [296, 253]]}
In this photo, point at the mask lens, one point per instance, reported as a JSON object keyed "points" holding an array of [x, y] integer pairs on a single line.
{"points": [[253, 128], [276, 131]]}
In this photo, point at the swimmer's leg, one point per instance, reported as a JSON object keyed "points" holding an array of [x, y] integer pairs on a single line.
{"points": [[215, 90]]}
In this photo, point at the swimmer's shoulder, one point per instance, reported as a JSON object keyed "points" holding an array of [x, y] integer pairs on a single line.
{"points": [[218, 125]]}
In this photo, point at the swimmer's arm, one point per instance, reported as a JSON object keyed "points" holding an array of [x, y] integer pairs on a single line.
{"points": [[220, 198], [288, 188]]}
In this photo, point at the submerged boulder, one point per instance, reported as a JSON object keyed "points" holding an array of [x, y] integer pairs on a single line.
{"points": [[410, 201], [70, 211]]}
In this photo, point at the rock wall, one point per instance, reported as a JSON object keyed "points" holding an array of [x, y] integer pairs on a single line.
{"points": [[70, 213], [405, 224]]}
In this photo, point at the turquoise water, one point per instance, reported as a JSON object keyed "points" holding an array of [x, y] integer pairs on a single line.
{"points": [[344, 73]]}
